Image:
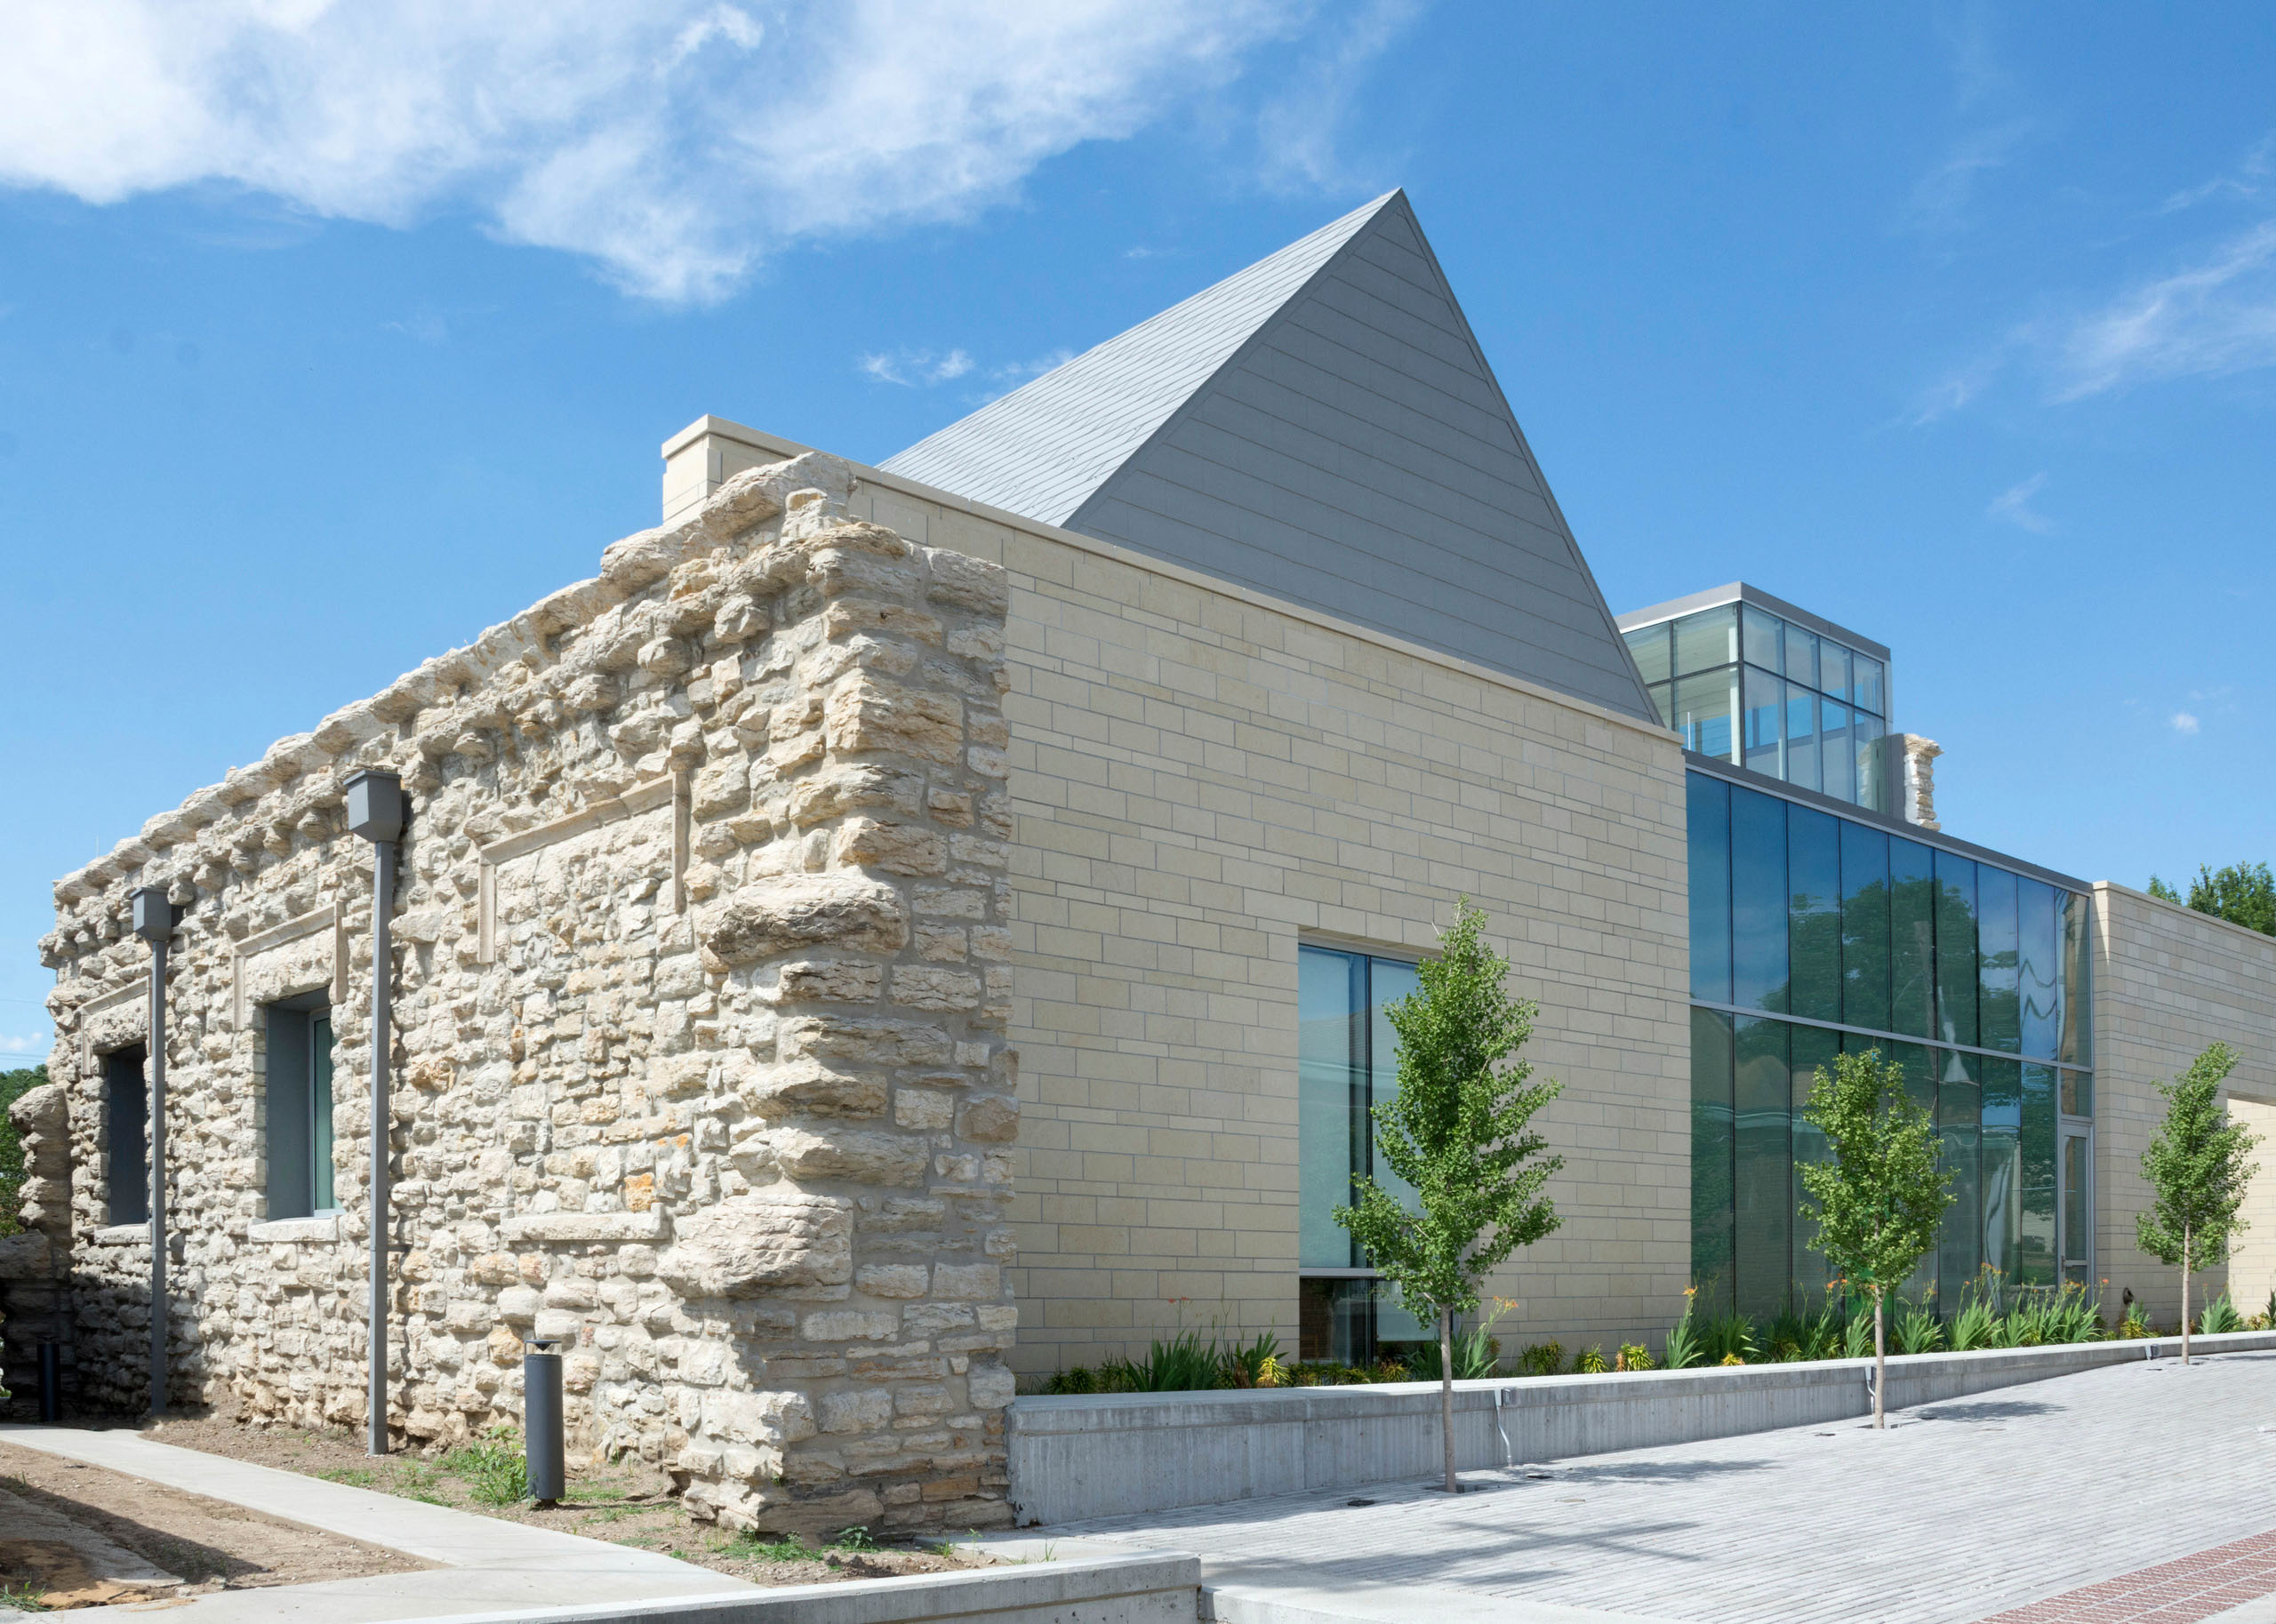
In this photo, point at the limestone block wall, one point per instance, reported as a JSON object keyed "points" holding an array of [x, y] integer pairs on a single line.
{"points": [[2168, 982], [1203, 779], [702, 988]]}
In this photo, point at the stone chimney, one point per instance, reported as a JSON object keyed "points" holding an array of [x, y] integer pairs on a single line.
{"points": [[1915, 779]]}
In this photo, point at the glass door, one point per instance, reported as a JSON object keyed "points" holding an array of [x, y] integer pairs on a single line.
{"points": [[2077, 1204]]}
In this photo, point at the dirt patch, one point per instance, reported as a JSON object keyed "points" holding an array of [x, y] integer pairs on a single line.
{"points": [[206, 1545], [627, 1503]]}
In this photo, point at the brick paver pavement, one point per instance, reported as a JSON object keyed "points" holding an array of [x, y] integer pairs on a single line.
{"points": [[2129, 1492]]}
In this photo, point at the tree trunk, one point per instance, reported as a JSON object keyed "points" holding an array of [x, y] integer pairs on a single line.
{"points": [[1446, 1389], [2184, 1294], [1880, 1360]]}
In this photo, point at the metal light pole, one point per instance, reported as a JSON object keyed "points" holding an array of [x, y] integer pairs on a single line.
{"points": [[155, 919], [376, 811]]}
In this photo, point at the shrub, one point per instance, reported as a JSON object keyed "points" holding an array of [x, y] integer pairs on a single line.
{"points": [[2133, 1324], [2220, 1316], [496, 1472], [1919, 1330], [1243, 1364], [1857, 1337], [1679, 1352], [1727, 1339], [1975, 1327], [1082, 1379], [1543, 1359], [1636, 1356], [1590, 1362]]}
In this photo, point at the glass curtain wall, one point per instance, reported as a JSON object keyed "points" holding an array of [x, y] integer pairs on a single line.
{"points": [[1813, 936], [1346, 1061], [1749, 687]]}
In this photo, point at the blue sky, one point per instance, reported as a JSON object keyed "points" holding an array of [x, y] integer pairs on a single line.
{"points": [[326, 342]]}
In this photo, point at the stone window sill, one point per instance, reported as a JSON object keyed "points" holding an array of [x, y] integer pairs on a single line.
{"points": [[122, 1234], [325, 1226]]}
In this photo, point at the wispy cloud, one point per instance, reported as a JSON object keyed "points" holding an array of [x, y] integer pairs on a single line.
{"points": [[2013, 505], [677, 143], [2214, 318], [10, 1044], [1020, 371], [1302, 123], [912, 367], [2183, 722], [1991, 131]]}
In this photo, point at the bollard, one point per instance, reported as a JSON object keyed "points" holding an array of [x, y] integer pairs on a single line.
{"points": [[541, 1421], [50, 1384]]}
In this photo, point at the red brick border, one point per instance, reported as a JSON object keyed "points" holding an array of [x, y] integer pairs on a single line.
{"points": [[2178, 1592]]}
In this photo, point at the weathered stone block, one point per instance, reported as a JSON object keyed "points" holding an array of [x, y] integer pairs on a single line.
{"points": [[787, 912], [748, 1244]]}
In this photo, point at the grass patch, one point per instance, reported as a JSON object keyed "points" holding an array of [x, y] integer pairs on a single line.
{"points": [[354, 1476], [494, 1468], [757, 1549], [23, 1598]]}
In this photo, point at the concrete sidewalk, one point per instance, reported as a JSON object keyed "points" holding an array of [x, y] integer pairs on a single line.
{"points": [[482, 1564], [1963, 1509]]}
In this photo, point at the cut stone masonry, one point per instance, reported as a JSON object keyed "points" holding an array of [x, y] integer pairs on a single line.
{"points": [[701, 980]]}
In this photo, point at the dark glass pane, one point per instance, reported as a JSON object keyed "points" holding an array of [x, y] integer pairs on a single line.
{"points": [[2077, 1237], [2078, 981], [1708, 824], [320, 1167], [1764, 635], [1801, 737], [1762, 1086], [1866, 687], [1757, 900], [2078, 1093], [1813, 913], [126, 1128], [1872, 782], [1814, 1049], [1663, 702], [1864, 926], [1706, 712], [2000, 1015], [2038, 935], [1911, 928], [1839, 778], [2035, 1233], [1833, 670], [2003, 1123], [1389, 979], [1709, 638], [1714, 1217], [1960, 1129], [1331, 1101], [1654, 652], [1764, 711], [1956, 972], [1801, 656]]}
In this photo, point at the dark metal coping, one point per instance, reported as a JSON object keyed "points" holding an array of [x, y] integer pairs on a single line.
{"points": [[1748, 779]]}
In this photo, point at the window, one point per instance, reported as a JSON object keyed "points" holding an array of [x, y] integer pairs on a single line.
{"points": [[1346, 1061], [1814, 935], [1743, 684], [297, 1104], [126, 1110]]}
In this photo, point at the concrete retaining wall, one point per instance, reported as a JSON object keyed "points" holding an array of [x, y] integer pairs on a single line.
{"points": [[1148, 1589], [1073, 1458]]}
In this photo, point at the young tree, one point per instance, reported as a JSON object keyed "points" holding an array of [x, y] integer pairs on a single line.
{"points": [[2242, 893], [1455, 1131], [2198, 1167], [1878, 1198]]}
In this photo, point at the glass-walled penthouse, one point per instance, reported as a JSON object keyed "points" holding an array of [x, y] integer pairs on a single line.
{"points": [[1747, 685], [1812, 935]]}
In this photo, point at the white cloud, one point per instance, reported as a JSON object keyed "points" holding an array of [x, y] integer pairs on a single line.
{"points": [[10, 1045], [1302, 122], [2182, 722], [2014, 506], [2213, 319], [910, 367], [677, 142], [1020, 371]]}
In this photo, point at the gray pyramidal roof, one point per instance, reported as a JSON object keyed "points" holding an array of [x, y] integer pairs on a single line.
{"points": [[1321, 427]]}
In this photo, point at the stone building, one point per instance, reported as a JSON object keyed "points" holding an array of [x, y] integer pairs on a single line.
{"points": [[899, 927]]}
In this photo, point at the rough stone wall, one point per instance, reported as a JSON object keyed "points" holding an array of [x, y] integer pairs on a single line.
{"points": [[2168, 982], [702, 979]]}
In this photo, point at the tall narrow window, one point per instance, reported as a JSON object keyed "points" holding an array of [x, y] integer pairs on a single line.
{"points": [[298, 1110], [126, 1162]]}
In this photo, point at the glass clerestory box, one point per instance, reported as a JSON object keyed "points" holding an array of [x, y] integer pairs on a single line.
{"points": [[1752, 679]]}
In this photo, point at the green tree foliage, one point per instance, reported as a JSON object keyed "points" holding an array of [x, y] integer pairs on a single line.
{"points": [[2242, 893], [13, 1086], [1456, 1132], [1879, 1197], [2196, 1167]]}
